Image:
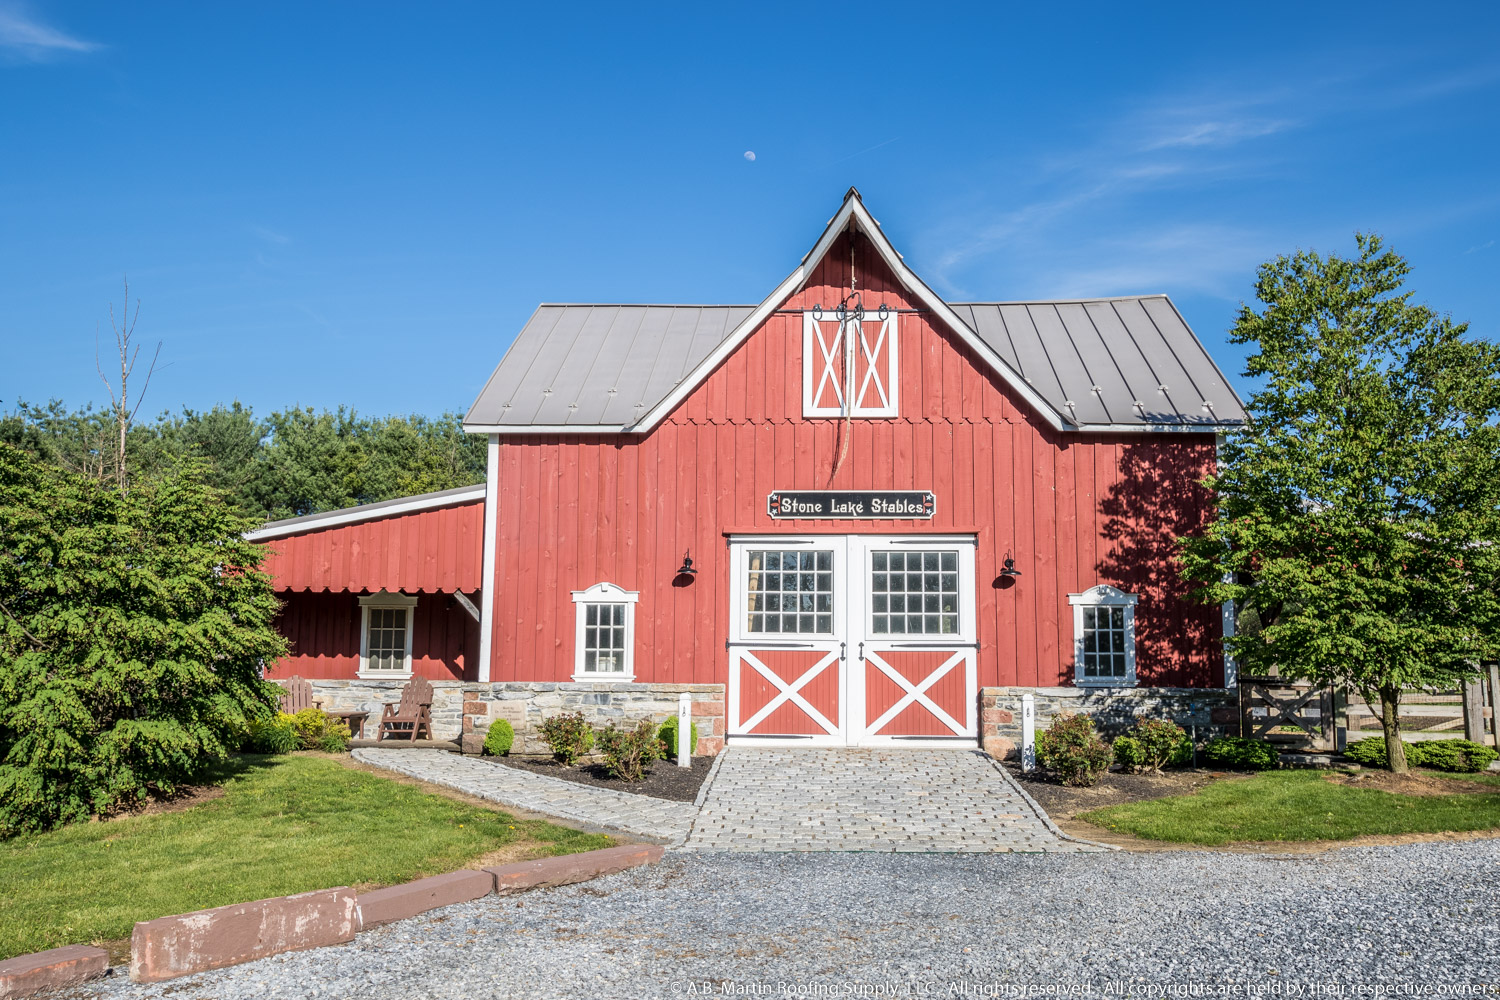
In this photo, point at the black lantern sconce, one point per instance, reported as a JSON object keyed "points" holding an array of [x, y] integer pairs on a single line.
{"points": [[1008, 573], [685, 572]]}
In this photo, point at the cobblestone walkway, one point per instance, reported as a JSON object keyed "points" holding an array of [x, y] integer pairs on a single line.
{"points": [[868, 800], [636, 815]]}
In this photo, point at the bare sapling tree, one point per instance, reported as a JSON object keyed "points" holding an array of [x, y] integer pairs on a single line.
{"points": [[124, 413]]}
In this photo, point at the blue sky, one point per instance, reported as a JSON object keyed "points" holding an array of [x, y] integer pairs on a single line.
{"points": [[360, 203]]}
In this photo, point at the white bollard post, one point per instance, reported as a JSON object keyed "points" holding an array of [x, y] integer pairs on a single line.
{"points": [[684, 729], [1028, 732]]}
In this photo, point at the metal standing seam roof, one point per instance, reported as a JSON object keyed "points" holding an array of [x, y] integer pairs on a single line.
{"points": [[1120, 362]]}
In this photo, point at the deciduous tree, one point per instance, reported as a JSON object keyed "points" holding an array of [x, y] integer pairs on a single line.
{"points": [[1357, 509]]}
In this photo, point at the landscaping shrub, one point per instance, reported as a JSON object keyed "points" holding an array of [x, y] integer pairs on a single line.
{"points": [[628, 753], [135, 626], [1153, 744], [668, 736], [569, 736], [500, 738], [1072, 750], [274, 735], [1370, 752], [316, 731], [1451, 755], [1442, 755], [1235, 753], [1128, 753]]}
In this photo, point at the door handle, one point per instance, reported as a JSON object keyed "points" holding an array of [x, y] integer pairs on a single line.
{"points": [[843, 647], [861, 651]]}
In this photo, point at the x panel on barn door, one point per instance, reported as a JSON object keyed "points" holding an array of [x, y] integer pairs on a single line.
{"points": [[787, 642]]}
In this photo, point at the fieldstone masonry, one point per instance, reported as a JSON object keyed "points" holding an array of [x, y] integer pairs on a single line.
{"points": [[463, 709], [1213, 711]]}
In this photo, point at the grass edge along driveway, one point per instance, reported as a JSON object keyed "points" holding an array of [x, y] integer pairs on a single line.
{"points": [[1294, 806], [284, 825]]}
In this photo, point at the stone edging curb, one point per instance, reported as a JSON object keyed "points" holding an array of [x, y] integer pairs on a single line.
{"points": [[169, 947], [708, 780], [52, 969], [1040, 812]]}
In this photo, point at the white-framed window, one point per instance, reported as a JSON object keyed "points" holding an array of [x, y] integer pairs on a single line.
{"points": [[1103, 637], [385, 621], [604, 642], [850, 361]]}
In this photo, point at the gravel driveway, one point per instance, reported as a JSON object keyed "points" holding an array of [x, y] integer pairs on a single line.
{"points": [[1425, 914]]}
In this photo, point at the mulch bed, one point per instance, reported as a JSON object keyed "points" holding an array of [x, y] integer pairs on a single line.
{"points": [[665, 780], [1413, 783], [1114, 788]]}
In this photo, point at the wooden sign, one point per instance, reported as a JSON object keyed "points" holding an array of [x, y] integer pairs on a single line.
{"points": [[850, 505]]}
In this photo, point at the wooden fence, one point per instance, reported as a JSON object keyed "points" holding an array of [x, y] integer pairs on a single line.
{"points": [[1298, 715]]}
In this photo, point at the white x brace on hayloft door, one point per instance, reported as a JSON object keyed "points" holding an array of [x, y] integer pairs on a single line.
{"points": [[852, 640]]}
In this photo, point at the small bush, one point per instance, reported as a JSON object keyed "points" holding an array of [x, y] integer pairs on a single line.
{"points": [[1073, 751], [1155, 744], [500, 738], [1235, 753], [316, 731], [1369, 751], [274, 735], [1451, 755], [1443, 755], [628, 753], [668, 736], [569, 736], [1128, 753]]}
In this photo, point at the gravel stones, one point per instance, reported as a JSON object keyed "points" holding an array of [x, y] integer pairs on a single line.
{"points": [[1421, 913]]}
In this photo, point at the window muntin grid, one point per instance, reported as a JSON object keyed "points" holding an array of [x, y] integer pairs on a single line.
{"points": [[386, 642], [789, 591], [604, 638], [914, 592], [1103, 650]]}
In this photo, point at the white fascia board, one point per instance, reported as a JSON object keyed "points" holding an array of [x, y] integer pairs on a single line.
{"points": [[931, 299], [545, 428], [727, 347], [353, 515], [1154, 428]]}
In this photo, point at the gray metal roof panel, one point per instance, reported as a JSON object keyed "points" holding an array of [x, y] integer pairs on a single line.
{"points": [[607, 365]]}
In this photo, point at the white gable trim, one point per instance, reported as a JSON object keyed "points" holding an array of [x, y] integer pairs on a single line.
{"points": [[367, 512], [852, 213]]}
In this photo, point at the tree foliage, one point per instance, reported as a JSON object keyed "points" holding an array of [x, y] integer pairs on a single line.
{"points": [[296, 461], [133, 628], [1357, 523]]}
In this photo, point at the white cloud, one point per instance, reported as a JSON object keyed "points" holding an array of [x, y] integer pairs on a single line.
{"points": [[23, 36], [270, 235]]}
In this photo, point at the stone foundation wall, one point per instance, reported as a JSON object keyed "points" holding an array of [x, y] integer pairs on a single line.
{"points": [[1214, 711], [524, 704], [465, 710]]}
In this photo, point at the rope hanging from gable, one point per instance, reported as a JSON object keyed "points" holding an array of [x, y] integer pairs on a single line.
{"points": [[850, 312]]}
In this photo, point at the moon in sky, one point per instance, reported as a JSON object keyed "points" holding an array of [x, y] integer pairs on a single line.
{"points": [[750, 155]]}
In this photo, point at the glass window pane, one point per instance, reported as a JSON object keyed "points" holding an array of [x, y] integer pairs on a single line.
{"points": [[591, 614], [898, 561], [898, 624], [950, 562], [825, 561], [1117, 619], [930, 624], [825, 623], [880, 625], [877, 561], [930, 560], [1088, 618]]}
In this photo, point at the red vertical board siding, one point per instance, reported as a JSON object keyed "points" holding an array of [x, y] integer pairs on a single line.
{"points": [[1073, 509], [416, 552], [323, 630]]}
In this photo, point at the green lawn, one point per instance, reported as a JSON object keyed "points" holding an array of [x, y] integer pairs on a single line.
{"points": [[1296, 805], [286, 824]]}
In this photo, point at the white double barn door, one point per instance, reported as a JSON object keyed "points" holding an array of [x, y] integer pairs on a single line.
{"points": [[852, 640]]}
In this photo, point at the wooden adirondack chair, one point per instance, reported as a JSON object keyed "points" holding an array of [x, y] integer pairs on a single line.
{"points": [[413, 711], [298, 695]]}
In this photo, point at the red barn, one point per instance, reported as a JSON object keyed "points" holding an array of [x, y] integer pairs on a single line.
{"points": [[853, 514]]}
